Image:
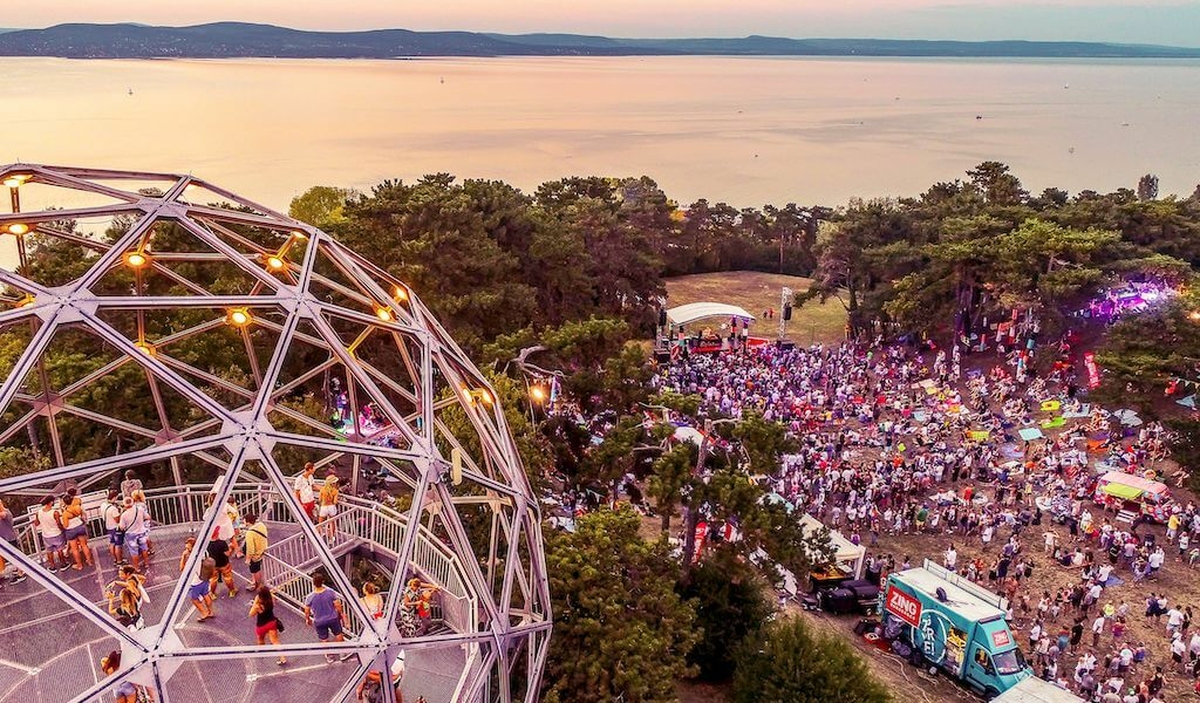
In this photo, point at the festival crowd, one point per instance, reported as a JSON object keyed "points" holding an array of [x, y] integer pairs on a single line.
{"points": [[905, 439]]}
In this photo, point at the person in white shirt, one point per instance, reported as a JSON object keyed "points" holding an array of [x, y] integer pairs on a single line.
{"points": [[48, 520], [951, 558], [1097, 628], [1156, 560], [1177, 650], [133, 524], [111, 511], [304, 489], [1126, 659], [1174, 621]]}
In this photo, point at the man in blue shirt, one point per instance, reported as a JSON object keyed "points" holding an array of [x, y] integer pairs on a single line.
{"points": [[323, 611]]}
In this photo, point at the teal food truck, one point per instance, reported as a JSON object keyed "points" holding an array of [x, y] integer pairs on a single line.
{"points": [[937, 618]]}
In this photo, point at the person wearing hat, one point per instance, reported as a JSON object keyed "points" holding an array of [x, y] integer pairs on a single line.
{"points": [[328, 508]]}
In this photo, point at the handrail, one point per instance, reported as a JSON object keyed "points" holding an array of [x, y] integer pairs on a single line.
{"points": [[358, 519]]}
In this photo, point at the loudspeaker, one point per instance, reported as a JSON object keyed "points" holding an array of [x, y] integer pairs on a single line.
{"points": [[787, 312]]}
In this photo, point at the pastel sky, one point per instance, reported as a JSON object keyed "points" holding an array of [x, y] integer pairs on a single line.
{"points": [[1134, 21]]}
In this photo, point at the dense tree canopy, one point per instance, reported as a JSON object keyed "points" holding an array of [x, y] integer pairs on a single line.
{"points": [[731, 602], [621, 631], [788, 663]]}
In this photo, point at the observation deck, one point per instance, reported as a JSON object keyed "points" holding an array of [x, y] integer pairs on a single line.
{"points": [[33, 622], [160, 326]]}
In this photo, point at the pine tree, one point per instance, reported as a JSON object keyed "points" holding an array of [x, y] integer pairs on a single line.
{"points": [[786, 663]]}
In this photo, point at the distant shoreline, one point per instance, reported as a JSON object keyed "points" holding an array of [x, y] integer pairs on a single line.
{"points": [[225, 40]]}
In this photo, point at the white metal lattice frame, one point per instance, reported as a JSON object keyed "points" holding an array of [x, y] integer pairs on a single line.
{"points": [[509, 584]]}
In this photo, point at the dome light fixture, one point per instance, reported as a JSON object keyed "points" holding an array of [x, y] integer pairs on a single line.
{"points": [[136, 259], [238, 317]]}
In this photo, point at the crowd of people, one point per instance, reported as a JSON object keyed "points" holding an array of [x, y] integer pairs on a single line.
{"points": [[236, 538], [909, 439]]}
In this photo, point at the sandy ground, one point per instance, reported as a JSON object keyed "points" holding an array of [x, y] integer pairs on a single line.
{"points": [[1177, 580]]}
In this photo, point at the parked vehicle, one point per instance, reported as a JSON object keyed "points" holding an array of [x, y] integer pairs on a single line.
{"points": [[939, 619], [1138, 495], [855, 596], [1035, 690]]}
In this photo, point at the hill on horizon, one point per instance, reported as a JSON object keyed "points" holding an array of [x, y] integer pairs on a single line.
{"points": [[245, 40]]}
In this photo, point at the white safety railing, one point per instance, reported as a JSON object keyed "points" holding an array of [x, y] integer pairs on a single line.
{"points": [[288, 560]]}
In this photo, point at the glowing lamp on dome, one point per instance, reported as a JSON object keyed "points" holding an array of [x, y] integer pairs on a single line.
{"points": [[537, 393], [276, 263], [400, 293], [145, 348], [383, 314], [239, 317], [18, 229], [481, 395], [299, 236], [13, 182], [136, 259], [26, 302]]}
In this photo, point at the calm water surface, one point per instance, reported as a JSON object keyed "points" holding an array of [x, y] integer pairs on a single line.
{"points": [[745, 130]]}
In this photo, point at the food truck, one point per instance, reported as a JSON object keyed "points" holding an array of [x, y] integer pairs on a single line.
{"points": [[1134, 494], [939, 619]]}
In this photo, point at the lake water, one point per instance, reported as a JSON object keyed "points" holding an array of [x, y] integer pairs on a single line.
{"points": [[747, 131]]}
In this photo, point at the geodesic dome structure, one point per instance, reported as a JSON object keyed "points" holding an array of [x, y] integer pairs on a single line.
{"points": [[159, 325]]}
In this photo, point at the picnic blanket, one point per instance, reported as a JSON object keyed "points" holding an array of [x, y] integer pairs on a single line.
{"points": [[1084, 411]]}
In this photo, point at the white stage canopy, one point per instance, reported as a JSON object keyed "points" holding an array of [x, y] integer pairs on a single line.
{"points": [[687, 314], [847, 555]]}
